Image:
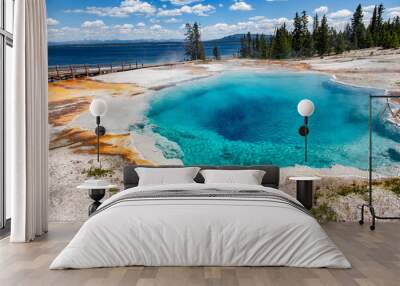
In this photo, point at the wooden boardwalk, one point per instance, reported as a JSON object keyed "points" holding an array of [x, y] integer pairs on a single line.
{"points": [[77, 71]]}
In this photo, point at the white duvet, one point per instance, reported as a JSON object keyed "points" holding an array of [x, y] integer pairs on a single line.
{"points": [[200, 231]]}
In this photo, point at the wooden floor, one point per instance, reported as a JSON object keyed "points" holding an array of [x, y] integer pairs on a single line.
{"points": [[375, 257]]}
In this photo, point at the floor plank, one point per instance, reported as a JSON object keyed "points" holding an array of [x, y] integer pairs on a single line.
{"points": [[375, 257]]}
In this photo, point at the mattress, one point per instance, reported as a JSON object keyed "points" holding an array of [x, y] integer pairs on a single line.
{"points": [[201, 225]]}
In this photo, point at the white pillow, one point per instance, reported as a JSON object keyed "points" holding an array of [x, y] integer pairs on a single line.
{"points": [[166, 176], [248, 177]]}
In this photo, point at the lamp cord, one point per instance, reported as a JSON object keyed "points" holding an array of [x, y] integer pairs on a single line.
{"points": [[98, 144], [305, 147]]}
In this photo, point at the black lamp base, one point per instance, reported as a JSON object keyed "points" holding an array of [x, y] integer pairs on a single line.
{"points": [[303, 130], [96, 195], [304, 193], [100, 130]]}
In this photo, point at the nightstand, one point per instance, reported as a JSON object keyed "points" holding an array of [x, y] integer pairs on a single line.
{"points": [[304, 190], [97, 190]]}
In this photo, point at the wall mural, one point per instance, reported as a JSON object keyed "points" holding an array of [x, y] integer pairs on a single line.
{"points": [[218, 82]]}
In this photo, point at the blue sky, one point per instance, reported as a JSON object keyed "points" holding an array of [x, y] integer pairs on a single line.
{"points": [[164, 19]]}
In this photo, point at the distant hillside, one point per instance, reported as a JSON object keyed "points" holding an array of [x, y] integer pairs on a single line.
{"points": [[231, 38], [235, 38], [105, 42]]}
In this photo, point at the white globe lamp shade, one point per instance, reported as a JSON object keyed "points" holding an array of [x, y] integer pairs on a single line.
{"points": [[98, 107], [305, 107]]}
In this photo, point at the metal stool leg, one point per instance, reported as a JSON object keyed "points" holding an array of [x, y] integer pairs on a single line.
{"points": [[372, 226], [361, 221]]}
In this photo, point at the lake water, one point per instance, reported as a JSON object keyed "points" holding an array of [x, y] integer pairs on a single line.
{"points": [[251, 118], [142, 52]]}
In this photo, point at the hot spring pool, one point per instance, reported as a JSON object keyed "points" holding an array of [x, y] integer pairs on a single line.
{"points": [[251, 118]]}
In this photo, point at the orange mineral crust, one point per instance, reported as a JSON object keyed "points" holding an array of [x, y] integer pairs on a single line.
{"points": [[69, 98], [84, 142]]}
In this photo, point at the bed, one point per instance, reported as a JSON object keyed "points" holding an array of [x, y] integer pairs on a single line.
{"points": [[198, 224]]}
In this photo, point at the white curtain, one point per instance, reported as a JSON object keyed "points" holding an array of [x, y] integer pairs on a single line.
{"points": [[28, 124]]}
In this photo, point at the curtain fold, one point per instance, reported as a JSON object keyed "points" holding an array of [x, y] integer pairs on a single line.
{"points": [[28, 123]]}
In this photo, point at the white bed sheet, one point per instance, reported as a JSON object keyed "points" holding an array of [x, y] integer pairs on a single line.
{"points": [[200, 232]]}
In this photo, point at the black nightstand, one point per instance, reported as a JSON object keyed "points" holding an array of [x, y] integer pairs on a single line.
{"points": [[96, 193], [304, 190]]}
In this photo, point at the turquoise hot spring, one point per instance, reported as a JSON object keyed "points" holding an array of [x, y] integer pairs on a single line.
{"points": [[251, 118]]}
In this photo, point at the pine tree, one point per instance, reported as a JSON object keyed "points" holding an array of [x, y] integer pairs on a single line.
{"points": [[358, 28], [395, 41], [297, 35], [390, 39], [379, 23], [373, 27], [281, 44], [307, 49], [240, 51], [386, 40], [369, 39], [347, 37], [263, 47], [322, 37], [379, 18], [332, 36], [189, 49], [308, 46], [198, 44], [396, 27], [257, 50], [243, 47], [315, 24], [340, 43], [216, 53], [193, 45], [249, 45]]}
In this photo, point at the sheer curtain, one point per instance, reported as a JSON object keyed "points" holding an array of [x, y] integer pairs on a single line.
{"points": [[27, 123]]}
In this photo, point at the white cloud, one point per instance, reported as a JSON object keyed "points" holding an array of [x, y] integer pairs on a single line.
{"points": [[137, 6], [257, 18], [124, 29], [63, 34], [156, 27], [369, 8], [172, 20], [124, 26], [123, 32], [97, 29], [341, 18], [394, 12], [203, 10], [198, 10], [93, 24], [321, 10], [186, 9], [126, 8], [169, 13], [344, 13], [52, 22], [220, 5], [277, 0], [182, 2], [260, 25], [240, 6], [367, 13], [154, 21]]}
